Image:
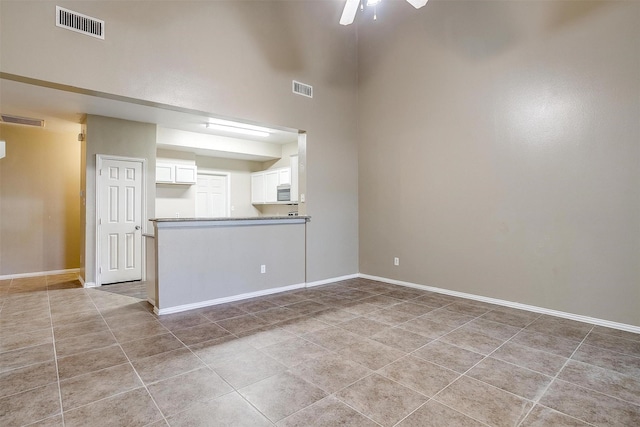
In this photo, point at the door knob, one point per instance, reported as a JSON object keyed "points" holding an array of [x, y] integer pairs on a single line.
{"points": [[137, 227]]}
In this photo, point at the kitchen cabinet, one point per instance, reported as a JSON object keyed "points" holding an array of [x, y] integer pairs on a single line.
{"points": [[169, 173], [264, 185]]}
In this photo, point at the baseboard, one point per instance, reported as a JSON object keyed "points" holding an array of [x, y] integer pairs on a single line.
{"points": [[505, 303], [217, 301], [332, 280], [90, 285], [39, 274]]}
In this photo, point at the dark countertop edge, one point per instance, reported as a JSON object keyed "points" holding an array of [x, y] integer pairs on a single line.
{"points": [[252, 218]]}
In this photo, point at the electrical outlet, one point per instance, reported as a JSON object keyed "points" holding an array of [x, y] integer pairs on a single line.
{"points": [[396, 261], [263, 269]]}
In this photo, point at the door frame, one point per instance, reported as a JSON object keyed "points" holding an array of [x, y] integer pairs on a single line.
{"points": [[143, 212], [212, 172]]}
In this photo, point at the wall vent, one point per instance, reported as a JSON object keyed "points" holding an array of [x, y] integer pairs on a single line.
{"points": [[302, 89], [79, 23], [26, 121]]}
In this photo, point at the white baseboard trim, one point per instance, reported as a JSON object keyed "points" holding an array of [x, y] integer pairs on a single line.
{"points": [[90, 285], [39, 274], [193, 306], [332, 280], [533, 308]]}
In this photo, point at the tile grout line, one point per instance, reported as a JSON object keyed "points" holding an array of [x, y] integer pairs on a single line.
{"points": [[555, 377], [55, 356], [130, 364]]}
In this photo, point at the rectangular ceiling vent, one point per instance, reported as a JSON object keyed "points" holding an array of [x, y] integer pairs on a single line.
{"points": [[79, 23], [26, 121], [302, 89]]}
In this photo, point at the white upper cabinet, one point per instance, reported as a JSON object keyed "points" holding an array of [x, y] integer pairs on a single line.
{"points": [[170, 173], [264, 185]]}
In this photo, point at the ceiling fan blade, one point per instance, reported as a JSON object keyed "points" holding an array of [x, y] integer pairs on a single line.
{"points": [[417, 3], [349, 12]]}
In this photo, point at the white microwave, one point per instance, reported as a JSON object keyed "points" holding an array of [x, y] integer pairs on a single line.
{"points": [[284, 193]]}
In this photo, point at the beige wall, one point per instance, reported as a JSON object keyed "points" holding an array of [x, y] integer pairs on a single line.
{"points": [[500, 151], [231, 58], [122, 138], [39, 201]]}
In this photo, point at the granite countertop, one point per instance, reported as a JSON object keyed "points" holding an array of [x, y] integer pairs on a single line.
{"points": [[248, 218]]}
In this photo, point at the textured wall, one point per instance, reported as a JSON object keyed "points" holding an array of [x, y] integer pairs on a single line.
{"points": [[500, 150], [230, 58], [39, 201]]}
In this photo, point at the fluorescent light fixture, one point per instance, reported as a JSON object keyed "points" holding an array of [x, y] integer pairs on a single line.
{"points": [[373, 2], [239, 125], [234, 129], [3, 151]]}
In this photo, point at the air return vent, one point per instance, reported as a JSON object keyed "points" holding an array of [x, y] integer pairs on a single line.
{"points": [[79, 23], [16, 120], [302, 89]]}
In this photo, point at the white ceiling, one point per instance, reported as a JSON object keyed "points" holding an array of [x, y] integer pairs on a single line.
{"points": [[64, 110]]}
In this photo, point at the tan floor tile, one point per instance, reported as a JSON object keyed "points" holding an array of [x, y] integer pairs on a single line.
{"points": [[492, 329], [449, 356], [330, 372], [484, 402], [229, 410], [13, 328], [513, 317], [544, 342], [537, 360], [419, 375], [294, 351], [27, 339], [519, 381], [434, 414], [264, 337], [182, 320], [614, 343], [472, 340], [633, 336], [82, 343], [390, 316], [133, 408], [177, 394], [333, 338], [55, 421], [200, 333], [217, 351], [381, 399], [146, 347], [328, 412], [77, 329], [242, 323], [130, 319], [371, 354], [83, 389], [221, 312], [247, 368], [363, 326], [90, 361], [590, 406], [401, 339], [164, 365], [563, 328], [543, 417], [139, 331], [622, 363], [602, 380], [427, 327], [23, 379], [25, 356], [280, 396], [29, 406]]}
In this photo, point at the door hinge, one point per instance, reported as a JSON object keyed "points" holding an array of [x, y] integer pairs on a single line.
{"points": [[100, 270]]}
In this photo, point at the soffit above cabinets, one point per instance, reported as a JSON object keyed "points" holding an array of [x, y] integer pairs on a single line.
{"points": [[64, 108]]}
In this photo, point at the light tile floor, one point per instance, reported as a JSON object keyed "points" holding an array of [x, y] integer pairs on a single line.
{"points": [[353, 353]]}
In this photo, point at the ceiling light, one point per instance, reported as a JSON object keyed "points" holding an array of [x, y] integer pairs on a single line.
{"points": [[3, 151], [239, 125], [234, 129]]}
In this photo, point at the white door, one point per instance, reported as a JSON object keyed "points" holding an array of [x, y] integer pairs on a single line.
{"points": [[120, 220], [212, 200]]}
